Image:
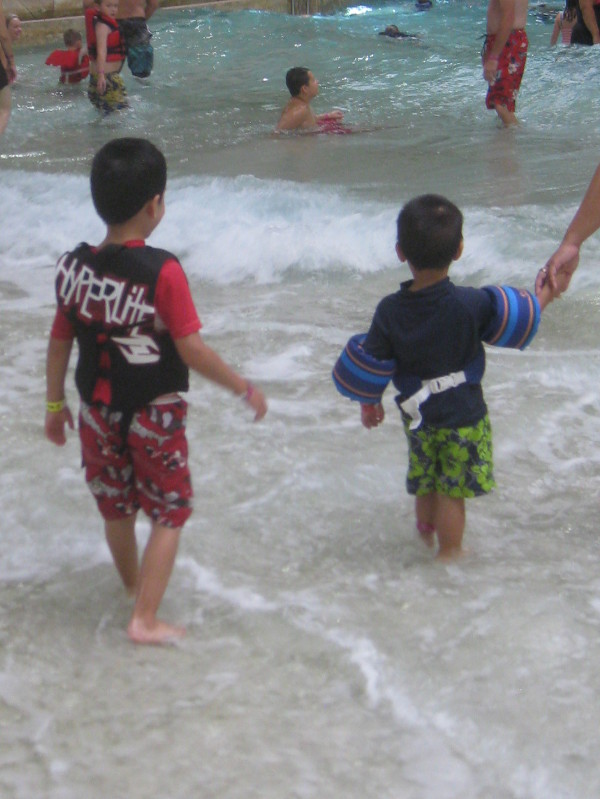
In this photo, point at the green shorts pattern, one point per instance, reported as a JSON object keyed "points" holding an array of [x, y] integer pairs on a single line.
{"points": [[454, 462], [114, 97]]}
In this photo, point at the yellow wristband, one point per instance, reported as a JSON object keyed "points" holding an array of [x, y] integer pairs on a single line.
{"points": [[55, 407]]}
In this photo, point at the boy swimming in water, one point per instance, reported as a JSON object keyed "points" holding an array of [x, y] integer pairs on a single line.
{"points": [[298, 115]]}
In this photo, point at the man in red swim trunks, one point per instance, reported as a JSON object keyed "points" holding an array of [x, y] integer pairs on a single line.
{"points": [[504, 55]]}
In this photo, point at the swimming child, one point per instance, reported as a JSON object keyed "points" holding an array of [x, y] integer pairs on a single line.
{"points": [[129, 307], [74, 62], [106, 49], [564, 23], [395, 33], [427, 338], [298, 115]]}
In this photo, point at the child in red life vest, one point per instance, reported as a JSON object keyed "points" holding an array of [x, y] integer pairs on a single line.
{"points": [[106, 48], [131, 310], [74, 61]]}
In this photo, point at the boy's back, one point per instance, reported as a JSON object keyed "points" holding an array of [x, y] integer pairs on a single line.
{"points": [[430, 333], [117, 299], [427, 338]]}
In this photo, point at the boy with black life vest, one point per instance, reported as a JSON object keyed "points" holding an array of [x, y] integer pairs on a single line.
{"points": [[106, 49], [73, 60], [131, 311], [427, 338]]}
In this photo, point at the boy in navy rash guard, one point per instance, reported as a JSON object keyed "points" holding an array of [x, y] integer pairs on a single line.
{"points": [[433, 330], [130, 308]]}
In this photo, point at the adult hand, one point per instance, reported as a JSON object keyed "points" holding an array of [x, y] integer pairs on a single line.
{"points": [[490, 69], [559, 269]]}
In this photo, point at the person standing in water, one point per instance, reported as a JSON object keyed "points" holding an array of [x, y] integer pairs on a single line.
{"points": [[8, 73], [564, 22], [106, 49], [130, 308], [504, 56], [133, 19], [587, 27]]}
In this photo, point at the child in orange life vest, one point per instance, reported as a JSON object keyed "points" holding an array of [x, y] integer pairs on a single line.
{"points": [[73, 61], [106, 48]]}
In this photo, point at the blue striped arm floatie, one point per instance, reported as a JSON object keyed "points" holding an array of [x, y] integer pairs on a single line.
{"points": [[516, 319], [359, 376]]}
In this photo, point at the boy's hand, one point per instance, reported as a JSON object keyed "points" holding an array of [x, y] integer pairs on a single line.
{"points": [[545, 295], [54, 426], [371, 415], [256, 400]]}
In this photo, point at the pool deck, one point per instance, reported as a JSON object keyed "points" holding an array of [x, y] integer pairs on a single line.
{"points": [[45, 20]]}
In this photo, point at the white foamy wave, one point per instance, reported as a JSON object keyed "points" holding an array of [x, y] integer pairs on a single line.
{"points": [[245, 228], [230, 230], [224, 230]]}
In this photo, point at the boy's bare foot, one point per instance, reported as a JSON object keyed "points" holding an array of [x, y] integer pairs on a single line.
{"points": [[159, 632]]}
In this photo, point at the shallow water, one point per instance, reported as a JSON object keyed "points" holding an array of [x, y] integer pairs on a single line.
{"points": [[327, 654]]}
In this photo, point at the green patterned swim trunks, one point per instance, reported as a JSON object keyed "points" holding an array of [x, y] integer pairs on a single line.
{"points": [[114, 97], [454, 462]]}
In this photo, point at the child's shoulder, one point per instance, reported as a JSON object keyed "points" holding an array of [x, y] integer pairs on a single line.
{"points": [[476, 301], [158, 253]]}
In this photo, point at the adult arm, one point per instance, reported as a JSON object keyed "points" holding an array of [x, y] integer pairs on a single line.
{"points": [[201, 358], [589, 17], [6, 52], [151, 7], [57, 361], [507, 23], [560, 266], [555, 30]]}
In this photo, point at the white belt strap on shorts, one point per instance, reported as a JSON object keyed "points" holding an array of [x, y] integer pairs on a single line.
{"points": [[411, 405]]}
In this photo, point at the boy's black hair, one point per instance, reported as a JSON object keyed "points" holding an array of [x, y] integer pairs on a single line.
{"points": [[429, 231], [70, 37], [126, 174], [295, 79]]}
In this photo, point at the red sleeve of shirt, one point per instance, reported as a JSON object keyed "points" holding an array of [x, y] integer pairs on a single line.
{"points": [[173, 301], [61, 327]]}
